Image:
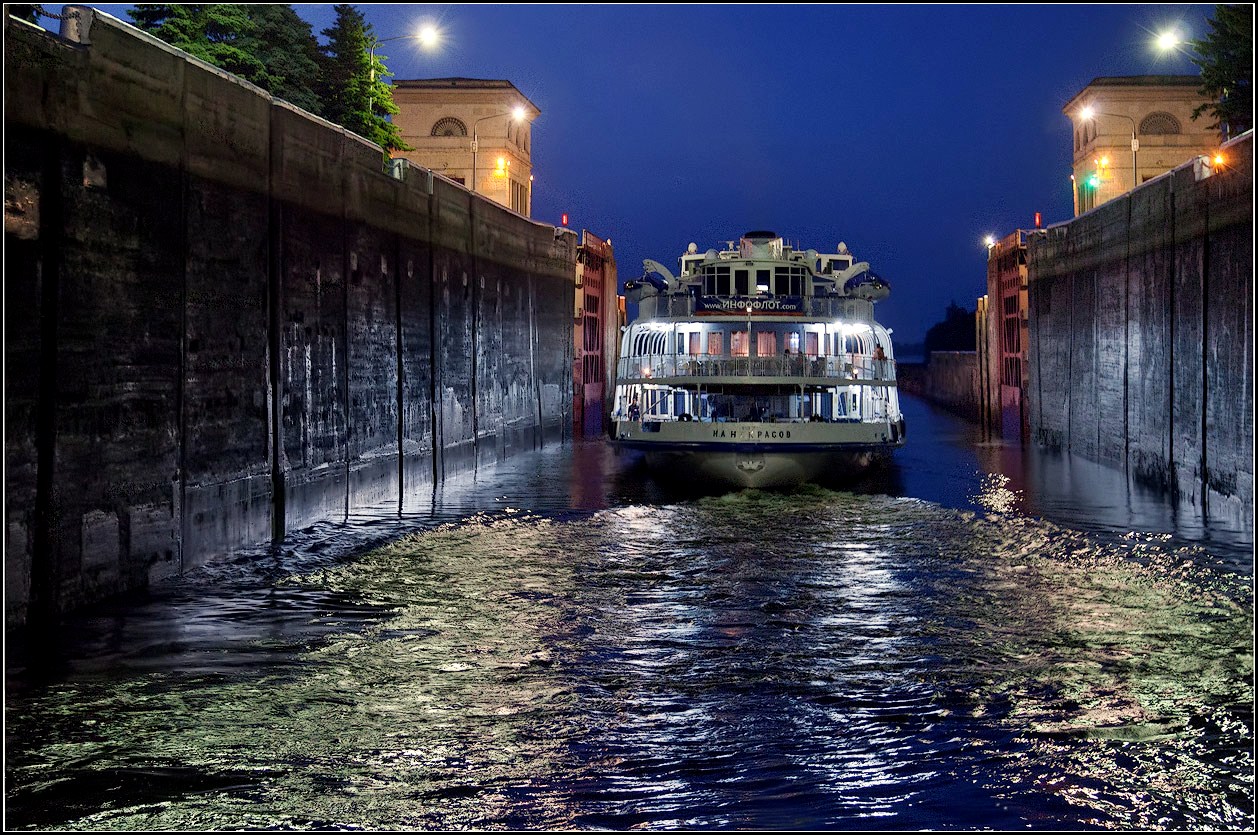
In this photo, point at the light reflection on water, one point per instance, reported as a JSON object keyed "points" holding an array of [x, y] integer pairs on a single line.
{"points": [[540, 648]]}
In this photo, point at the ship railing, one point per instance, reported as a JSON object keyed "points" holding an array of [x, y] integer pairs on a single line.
{"points": [[876, 414], [839, 369], [816, 307]]}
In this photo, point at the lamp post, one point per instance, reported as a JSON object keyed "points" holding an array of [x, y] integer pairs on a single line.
{"points": [[516, 113], [428, 37], [1089, 113]]}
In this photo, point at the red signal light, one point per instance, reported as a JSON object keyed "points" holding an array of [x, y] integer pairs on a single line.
{"points": [[1038, 220], [564, 219]]}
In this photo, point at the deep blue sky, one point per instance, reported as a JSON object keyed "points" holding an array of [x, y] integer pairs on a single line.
{"points": [[907, 131]]}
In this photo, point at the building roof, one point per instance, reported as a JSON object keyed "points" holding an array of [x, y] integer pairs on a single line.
{"points": [[462, 84], [473, 83], [1147, 81], [1135, 81]]}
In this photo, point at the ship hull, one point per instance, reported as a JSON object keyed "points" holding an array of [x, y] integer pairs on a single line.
{"points": [[760, 455], [758, 468]]}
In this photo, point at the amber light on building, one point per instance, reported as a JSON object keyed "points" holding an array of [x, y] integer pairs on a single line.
{"points": [[1130, 129], [477, 132]]}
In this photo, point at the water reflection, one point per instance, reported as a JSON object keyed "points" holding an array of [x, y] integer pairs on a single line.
{"points": [[535, 647]]}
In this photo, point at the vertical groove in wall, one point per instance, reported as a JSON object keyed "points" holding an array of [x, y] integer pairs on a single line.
{"points": [[275, 344], [399, 275], [348, 263], [1070, 360], [539, 434], [1172, 258], [1205, 354], [434, 408], [1127, 348], [1101, 452], [474, 320], [181, 399], [44, 598]]}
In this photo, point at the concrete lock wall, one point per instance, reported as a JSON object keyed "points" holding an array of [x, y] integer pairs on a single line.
{"points": [[949, 379], [225, 321], [1141, 334]]}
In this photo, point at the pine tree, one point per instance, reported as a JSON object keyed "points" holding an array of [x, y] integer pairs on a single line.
{"points": [[354, 90], [217, 33], [1226, 58], [289, 52]]}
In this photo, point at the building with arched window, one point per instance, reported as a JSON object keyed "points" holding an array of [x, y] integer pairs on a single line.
{"points": [[465, 129], [1129, 129]]}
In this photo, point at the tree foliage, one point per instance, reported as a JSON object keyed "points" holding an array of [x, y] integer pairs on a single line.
{"points": [[290, 55], [270, 45], [954, 333], [354, 88], [218, 33], [1226, 58]]}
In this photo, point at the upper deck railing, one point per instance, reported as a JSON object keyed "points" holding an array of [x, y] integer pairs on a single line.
{"points": [[844, 369], [677, 306]]}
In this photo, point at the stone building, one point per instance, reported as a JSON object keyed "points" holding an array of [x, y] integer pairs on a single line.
{"points": [[477, 132], [1141, 124]]}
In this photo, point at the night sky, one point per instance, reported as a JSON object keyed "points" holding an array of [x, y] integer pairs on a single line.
{"points": [[910, 132]]}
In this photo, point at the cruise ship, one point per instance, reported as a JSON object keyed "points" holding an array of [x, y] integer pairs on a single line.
{"points": [[758, 366]]}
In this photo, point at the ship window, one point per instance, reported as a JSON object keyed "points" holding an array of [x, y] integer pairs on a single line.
{"points": [[709, 280], [722, 281], [714, 343], [740, 282], [738, 344], [811, 344], [766, 344], [694, 343], [681, 343], [782, 281], [762, 280]]}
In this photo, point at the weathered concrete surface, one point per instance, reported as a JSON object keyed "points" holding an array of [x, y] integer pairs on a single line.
{"points": [[224, 321], [1141, 334]]}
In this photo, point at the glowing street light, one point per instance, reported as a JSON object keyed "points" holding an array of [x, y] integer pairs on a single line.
{"points": [[516, 113], [1089, 113], [428, 36], [1168, 40]]}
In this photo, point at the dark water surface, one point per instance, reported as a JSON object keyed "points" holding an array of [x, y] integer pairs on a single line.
{"points": [[972, 637]]}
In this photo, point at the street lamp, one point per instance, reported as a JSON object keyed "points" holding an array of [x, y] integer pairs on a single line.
{"points": [[1089, 113], [428, 36], [516, 113]]}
